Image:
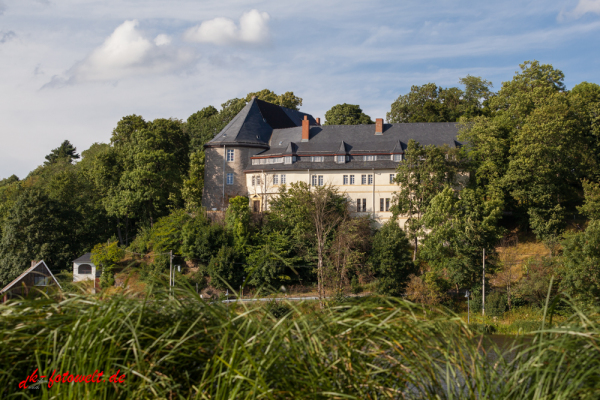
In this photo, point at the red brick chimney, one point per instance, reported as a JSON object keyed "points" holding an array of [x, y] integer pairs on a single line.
{"points": [[318, 121], [379, 126], [305, 129]]}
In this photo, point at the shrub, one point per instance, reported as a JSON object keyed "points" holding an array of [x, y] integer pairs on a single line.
{"points": [[355, 286], [495, 304], [278, 309]]}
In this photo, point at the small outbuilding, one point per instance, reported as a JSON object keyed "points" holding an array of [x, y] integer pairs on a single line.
{"points": [[37, 276], [84, 269]]}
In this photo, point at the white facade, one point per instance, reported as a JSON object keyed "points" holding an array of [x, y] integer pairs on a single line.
{"points": [[370, 191], [83, 271]]}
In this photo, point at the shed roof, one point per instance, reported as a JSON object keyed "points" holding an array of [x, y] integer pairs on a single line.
{"points": [[87, 257], [28, 270]]}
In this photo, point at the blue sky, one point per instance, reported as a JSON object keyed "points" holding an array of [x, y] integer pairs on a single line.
{"points": [[71, 69]]}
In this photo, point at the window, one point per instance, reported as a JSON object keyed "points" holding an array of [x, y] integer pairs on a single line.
{"points": [[381, 201], [314, 180], [320, 180], [230, 179], [254, 161], [317, 159], [317, 180], [363, 180], [345, 179], [253, 180], [283, 179], [369, 158], [352, 179], [41, 280], [361, 205], [384, 204], [258, 180], [392, 177], [397, 157], [358, 208], [288, 160], [84, 269], [387, 204], [229, 155], [370, 179], [275, 179], [340, 159]]}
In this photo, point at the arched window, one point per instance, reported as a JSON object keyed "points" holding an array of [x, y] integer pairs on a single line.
{"points": [[85, 269]]}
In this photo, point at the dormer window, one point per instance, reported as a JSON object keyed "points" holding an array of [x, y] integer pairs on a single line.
{"points": [[340, 159], [397, 157], [317, 158], [289, 159]]}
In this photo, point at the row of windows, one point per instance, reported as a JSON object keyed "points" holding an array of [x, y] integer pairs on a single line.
{"points": [[361, 205], [338, 159], [364, 179], [317, 180], [277, 180]]}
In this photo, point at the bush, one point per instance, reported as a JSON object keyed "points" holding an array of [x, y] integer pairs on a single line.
{"points": [[278, 309], [495, 304], [355, 286], [482, 328], [225, 270]]}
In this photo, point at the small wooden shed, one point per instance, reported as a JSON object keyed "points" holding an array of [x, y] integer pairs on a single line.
{"points": [[37, 276], [84, 269]]}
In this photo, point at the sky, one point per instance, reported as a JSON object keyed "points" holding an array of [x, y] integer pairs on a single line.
{"points": [[71, 69]]}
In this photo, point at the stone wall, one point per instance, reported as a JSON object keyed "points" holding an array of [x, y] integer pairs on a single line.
{"points": [[215, 177]]}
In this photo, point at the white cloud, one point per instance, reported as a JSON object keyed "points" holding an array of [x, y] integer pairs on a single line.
{"points": [[253, 28], [127, 52], [162, 40], [583, 7]]}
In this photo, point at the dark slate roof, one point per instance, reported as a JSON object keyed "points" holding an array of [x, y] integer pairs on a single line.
{"points": [[353, 140], [255, 123], [86, 258], [361, 139]]}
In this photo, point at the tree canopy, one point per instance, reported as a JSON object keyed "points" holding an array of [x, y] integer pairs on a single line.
{"points": [[346, 114]]}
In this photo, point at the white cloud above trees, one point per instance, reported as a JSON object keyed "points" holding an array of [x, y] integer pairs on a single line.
{"points": [[253, 28], [127, 52]]}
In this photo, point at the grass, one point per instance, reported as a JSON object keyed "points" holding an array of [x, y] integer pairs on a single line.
{"points": [[181, 347]]}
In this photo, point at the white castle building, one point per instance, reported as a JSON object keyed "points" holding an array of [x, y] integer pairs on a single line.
{"points": [[266, 146]]}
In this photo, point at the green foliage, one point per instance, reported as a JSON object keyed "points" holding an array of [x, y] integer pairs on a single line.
{"points": [[278, 309], [548, 225], [287, 100], [390, 259], [533, 146], [237, 220], [194, 185], [421, 176], [591, 205], [142, 173], [185, 340], [430, 103], [202, 240], [355, 286], [346, 114], [107, 256], [225, 269], [66, 151], [459, 228], [495, 304], [271, 261], [580, 268], [533, 287]]}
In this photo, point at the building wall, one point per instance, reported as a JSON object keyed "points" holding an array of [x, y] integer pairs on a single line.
{"points": [[381, 188], [77, 277], [214, 198]]}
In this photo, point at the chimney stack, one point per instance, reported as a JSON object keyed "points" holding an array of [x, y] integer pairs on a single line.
{"points": [[379, 126], [305, 129], [318, 121]]}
